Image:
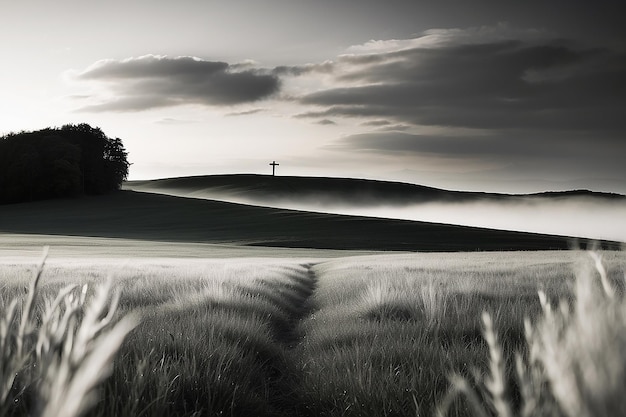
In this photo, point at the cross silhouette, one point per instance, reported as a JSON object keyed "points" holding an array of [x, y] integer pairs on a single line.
{"points": [[274, 164]]}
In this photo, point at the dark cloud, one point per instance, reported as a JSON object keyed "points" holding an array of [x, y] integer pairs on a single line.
{"points": [[552, 151], [532, 106], [378, 122], [394, 128], [466, 145], [504, 84], [326, 122], [386, 126], [246, 112], [297, 70], [155, 81], [151, 66], [532, 155]]}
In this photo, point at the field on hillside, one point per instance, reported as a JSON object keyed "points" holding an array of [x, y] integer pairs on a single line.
{"points": [[573, 213], [152, 217], [295, 336]]}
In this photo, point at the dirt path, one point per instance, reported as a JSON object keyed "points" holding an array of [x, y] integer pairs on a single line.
{"points": [[302, 308], [286, 394]]}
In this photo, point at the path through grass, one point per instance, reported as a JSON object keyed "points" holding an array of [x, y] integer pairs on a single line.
{"points": [[355, 336]]}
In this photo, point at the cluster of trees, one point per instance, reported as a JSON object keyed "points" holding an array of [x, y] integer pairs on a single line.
{"points": [[60, 162]]}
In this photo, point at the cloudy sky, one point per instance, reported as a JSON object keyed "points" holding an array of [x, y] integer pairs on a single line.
{"points": [[481, 95]]}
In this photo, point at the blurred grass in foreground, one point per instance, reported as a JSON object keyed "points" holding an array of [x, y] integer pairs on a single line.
{"points": [[573, 362], [54, 352], [355, 336]]}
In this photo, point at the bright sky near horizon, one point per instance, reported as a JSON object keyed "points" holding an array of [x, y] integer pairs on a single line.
{"points": [[475, 95]]}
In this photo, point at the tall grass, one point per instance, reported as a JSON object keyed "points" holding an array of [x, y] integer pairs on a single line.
{"points": [[360, 336], [386, 331], [372, 345], [213, 342], [212, 339], [573, 362], [54, 352]]}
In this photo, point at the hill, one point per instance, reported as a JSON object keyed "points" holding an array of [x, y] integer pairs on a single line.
{"points": [[325, 190], [580, 213], [135, 215]]}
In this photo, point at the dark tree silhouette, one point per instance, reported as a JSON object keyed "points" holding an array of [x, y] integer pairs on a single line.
{"points": [[115, 162], [65, 162]]}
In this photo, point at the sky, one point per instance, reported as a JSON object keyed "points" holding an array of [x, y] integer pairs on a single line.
{"points": [[505, 96]]}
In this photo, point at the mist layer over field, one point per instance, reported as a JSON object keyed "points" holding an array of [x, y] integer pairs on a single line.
{"points": [[569, 217], [580, 216]]}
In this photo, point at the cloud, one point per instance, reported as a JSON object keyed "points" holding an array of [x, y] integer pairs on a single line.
{"points": [[245, 112], [324, 122], [535, 144], [326, 67], [441, 37], [480, 79], [392, 142], [541, 151], [394, 128], [378, 122], [522, 101], [154, 81]]}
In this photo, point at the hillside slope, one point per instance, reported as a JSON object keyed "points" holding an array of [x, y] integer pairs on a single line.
{"points": [[579, 213], [135, 215]]}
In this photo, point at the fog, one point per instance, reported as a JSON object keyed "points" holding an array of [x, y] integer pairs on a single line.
{"points": [[580, 219], [593, 218], [584, 217]]}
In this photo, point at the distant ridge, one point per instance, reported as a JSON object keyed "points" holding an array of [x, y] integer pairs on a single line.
{"points": [[330, 189], [577, 193]]}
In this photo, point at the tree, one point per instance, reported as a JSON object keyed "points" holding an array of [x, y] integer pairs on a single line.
{"points": [[65, 162], [116, 162]]}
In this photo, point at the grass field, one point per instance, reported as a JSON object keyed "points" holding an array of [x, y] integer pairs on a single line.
{"points": [[376, 334]]}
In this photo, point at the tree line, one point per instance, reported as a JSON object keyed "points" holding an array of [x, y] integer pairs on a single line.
{"points": [[60, 162]]}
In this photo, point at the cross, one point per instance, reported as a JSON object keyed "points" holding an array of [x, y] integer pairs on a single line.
{"points": [[274, 164]]}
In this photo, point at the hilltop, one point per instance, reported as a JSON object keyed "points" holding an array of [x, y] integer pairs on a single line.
{"points": [[326, 190]]}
